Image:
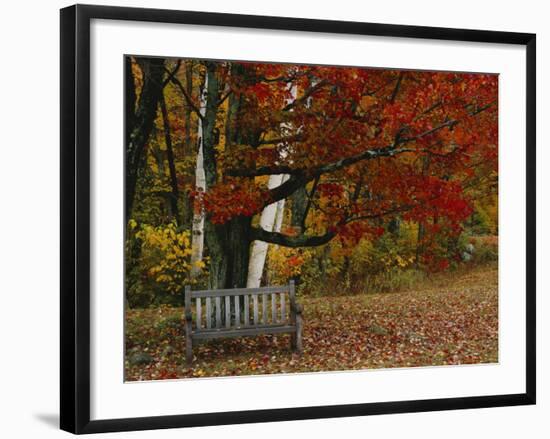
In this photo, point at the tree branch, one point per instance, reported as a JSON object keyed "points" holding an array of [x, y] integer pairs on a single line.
{"points": [[306, 95], [300, 177], [309, 202], [449, 124], [397, 86], [229, 92], [171, 74], [482, 108], [278, 238], [369, 154], [188, 98], [283, 139], [263, 170], [304, 240]]}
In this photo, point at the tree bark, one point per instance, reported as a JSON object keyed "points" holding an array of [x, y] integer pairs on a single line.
{"points": [[280, 214], [421, 225], [259, 248], [420, 242], [197, 238], [229, 249], [298, 208], [187, 114], [209, 124], [143, 119], [171, 164], [188, 149], [130, 97], [216, 235], [228, 244]]}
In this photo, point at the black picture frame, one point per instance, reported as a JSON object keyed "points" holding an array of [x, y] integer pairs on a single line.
{"points": [[75, 217]]}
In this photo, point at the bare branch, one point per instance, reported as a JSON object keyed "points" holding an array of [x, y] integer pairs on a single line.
{"points": [[171, 74], [397, 87], [188, 98], [449, 124], [225, 97]]}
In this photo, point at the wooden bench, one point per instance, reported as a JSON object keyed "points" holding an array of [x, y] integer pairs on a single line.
{"points": [[232, 321]]}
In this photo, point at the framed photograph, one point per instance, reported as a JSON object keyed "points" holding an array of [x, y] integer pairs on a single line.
{"points": [[268, 218]]}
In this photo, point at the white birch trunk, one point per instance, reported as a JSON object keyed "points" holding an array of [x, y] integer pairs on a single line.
{"points": [[280, 209], [197, 238], [270, 220], [258, 252]]}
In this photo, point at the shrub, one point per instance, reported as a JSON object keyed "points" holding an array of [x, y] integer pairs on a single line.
{"points": [[485, 248], [158, 264]]}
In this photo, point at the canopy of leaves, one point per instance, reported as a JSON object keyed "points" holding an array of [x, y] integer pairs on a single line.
{"points": [[380, 143]]}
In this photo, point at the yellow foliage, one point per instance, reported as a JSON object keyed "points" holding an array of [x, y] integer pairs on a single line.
{"points": [[285, 262], [166, 255]]}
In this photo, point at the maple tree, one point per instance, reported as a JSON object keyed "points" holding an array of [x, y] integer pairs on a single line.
{"points": [[361, 134], [359, 148]]}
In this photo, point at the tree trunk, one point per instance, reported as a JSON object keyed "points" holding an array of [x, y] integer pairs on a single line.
{"points": [[421, 225], [220, 238], [259, 248], [420, 242], [280, 214], [171, 164], [270, 220], [143, 119], [298, 208], [229, 249], [394, 226], [197, 238], [209, 124], [187, 109], [188, 149], [130, 97]]}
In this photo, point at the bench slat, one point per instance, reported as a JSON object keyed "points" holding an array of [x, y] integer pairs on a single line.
{"points": [[208, 312], [218, 312], [237, 311], [283, 308], [243, 332], [273, 308], [227, 311], [264, 309], [246, 310], [199, 313], [239, 291], [255, 301]]}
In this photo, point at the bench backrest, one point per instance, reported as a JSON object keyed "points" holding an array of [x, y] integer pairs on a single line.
{"points": [[242, 307]]}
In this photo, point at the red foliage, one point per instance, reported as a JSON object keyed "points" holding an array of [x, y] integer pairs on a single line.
{"points": [[443, 127]]}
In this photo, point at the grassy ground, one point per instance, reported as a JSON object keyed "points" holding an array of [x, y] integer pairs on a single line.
{"points": [[451, 319]]}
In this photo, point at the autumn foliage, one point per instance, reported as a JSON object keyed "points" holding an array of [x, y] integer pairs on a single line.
{"points": [[382, 142], [385, 179]]}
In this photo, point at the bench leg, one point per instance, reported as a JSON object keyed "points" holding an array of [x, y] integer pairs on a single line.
{"points": [[296, 338], [188, 345], [189, 352]]}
